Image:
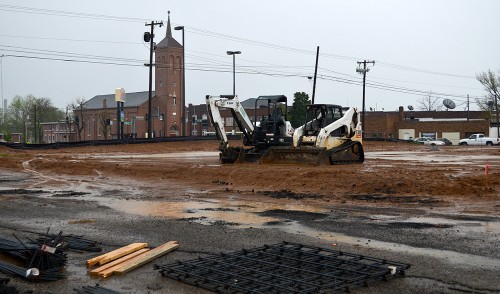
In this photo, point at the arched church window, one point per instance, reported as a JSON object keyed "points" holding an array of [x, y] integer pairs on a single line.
{"points": [[172, 63]]}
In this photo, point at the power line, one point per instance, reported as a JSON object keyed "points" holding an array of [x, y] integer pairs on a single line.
{"points": [[203, 68], [70, 60], [194, 30], [70, 40], [64, 54], [23, 9]]}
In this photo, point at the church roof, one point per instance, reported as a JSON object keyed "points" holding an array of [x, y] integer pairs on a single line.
{"points": [[169, 41], [131, 100]]}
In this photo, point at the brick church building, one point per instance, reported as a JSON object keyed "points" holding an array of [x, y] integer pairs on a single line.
{"points": [[98, 117]]}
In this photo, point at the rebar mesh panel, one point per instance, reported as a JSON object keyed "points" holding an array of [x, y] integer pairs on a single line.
{"points": [[283, 268]]}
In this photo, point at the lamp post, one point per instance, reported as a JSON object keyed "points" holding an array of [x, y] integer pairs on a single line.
{"points": [[234, 73], [183, 104]]}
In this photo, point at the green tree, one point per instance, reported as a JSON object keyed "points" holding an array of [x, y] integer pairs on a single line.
{"points": [[491, 84], [44, 111], [26, 114], [298, 113], [19, 116]]}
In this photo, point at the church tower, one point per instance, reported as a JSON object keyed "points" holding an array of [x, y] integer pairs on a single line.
{"points": [[169, 95]]}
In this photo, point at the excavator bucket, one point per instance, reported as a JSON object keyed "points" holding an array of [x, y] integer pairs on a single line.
{"points": [[295, 155], [239, 155]]}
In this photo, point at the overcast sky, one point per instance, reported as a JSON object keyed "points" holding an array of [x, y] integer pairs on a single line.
{"points": [[418, 46]]}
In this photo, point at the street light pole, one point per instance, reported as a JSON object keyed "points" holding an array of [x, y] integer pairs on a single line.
{"points": [[234, 72], [183, 104]]}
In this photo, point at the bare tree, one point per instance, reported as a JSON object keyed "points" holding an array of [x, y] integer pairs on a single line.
{"points": [[491, 84], [429, 103], [78, 108], [103, 119]]}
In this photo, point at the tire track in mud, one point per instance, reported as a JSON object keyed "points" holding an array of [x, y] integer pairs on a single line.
{"points": [[71, 184]]}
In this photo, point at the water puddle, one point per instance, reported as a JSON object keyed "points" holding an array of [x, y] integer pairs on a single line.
{"points": [[452, 257], [435, 158], [243, 213]]}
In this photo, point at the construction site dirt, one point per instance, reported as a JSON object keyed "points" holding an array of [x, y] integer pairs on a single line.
{"points": [[437, 209]]}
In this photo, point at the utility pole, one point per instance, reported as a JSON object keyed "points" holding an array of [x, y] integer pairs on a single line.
{"points": [[363, 71], [36, 139], [148, 37], [498, 122], [4, 104], [467, 107], [315, 74]]}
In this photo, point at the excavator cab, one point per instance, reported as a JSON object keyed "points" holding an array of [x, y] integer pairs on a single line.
{"points": [[272, 128]]}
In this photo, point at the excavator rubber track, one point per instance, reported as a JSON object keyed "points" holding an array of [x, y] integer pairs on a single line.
{"points": [[348, 153], [239, 155]]}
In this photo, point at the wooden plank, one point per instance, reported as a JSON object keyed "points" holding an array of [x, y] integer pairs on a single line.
{"points": [[146, 257], [95, 272], [115, 254], [109, 271]]}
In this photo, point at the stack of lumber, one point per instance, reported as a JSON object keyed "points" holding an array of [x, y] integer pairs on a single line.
{"points": [[125, 259]]}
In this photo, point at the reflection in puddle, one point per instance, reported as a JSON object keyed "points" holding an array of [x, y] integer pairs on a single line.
{"points": [[235, 212]]}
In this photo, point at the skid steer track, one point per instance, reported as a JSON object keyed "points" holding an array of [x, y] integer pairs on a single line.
{"points": [[348, 153]]}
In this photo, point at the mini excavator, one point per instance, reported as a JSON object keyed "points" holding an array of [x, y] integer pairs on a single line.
{"points": [[273, 128]]}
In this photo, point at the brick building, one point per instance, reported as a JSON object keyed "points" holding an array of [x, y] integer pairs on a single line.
{"points": [[61, 131], [405, 125], [167, 103]]}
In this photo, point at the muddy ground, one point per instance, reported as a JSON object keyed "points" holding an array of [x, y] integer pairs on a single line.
{"points": [[434, 209]]}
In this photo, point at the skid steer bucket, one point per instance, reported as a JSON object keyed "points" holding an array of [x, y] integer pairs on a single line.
{"points": [[295, 155]]}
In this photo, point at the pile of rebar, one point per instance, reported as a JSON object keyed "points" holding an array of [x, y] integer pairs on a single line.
{"points": [[5, 289], [34, 262], [283, 268], [95, 290], [69, 242]]}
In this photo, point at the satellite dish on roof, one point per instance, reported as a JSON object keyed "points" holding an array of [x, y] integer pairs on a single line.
{"points": [[449, 103], [410, 107], [490, 104]]}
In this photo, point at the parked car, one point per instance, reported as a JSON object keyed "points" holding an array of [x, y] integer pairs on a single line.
{"points": [[480, 139], [428, 141], [446, 141]]}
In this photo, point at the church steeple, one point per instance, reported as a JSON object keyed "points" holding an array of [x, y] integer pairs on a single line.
{"points": [[169, 41], [169, 29]]}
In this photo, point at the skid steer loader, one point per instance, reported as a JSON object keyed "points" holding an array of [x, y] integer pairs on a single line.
{"points": [[331, 134]]}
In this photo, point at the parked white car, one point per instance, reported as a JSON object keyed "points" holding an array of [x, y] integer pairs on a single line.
{"points": [[429, 141], [480, 139]]}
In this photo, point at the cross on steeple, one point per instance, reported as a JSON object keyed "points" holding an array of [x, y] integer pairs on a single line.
{"points": [[169, 29]]}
